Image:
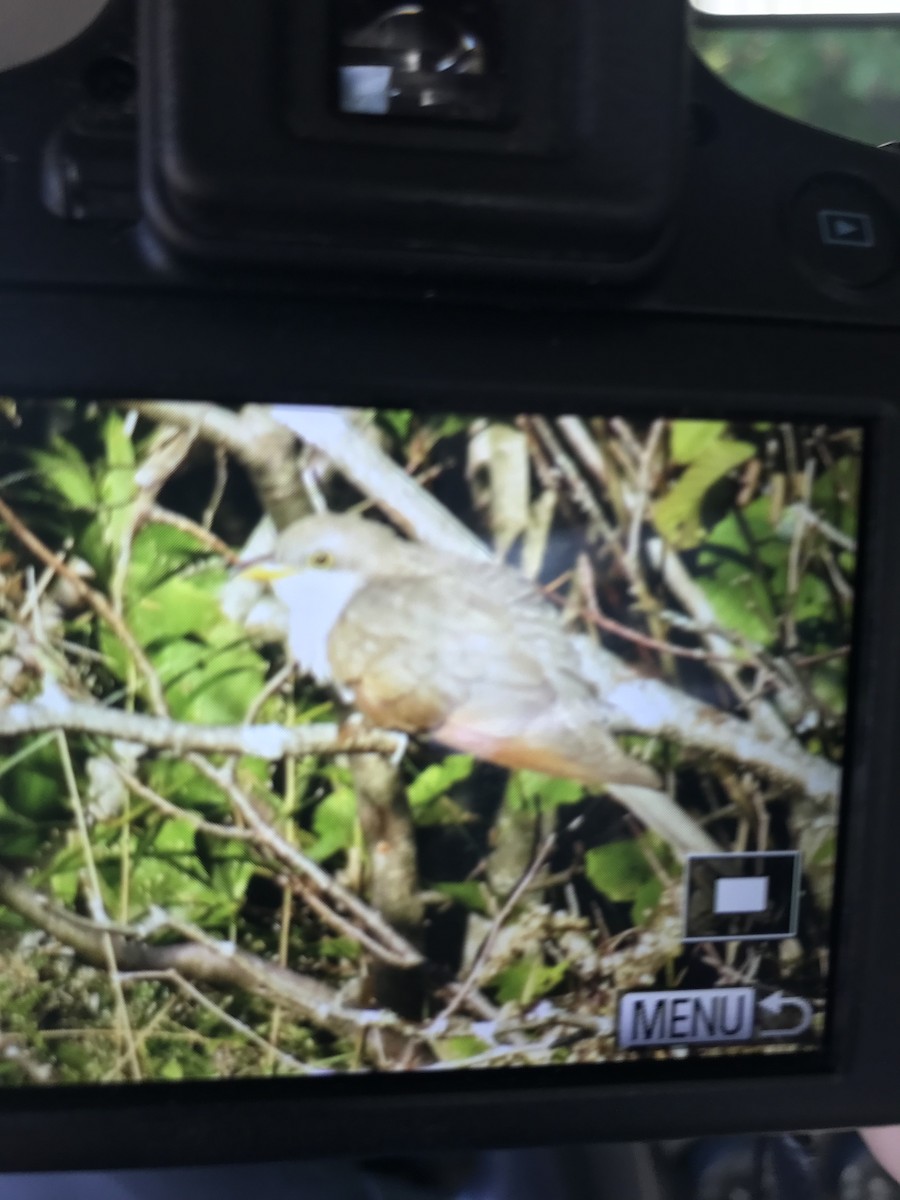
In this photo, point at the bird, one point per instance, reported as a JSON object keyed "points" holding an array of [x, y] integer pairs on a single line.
{"points": [[469, 655]]}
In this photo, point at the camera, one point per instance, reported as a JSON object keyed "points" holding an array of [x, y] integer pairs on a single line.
{"points": [[447, 590]]}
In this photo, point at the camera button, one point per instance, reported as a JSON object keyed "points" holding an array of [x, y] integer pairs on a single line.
{"points": [[843, 232]]}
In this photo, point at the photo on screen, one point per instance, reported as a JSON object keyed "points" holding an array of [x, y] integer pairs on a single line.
{"points": [[352, 740]]}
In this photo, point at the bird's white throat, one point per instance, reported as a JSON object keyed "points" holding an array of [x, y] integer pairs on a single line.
{"points": [[315, 600]]}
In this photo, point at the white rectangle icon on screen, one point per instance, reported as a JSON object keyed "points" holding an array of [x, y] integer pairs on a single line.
{"points": [[746, 894]]}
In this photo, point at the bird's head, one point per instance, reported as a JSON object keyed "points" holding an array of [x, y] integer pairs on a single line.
{"points": [[318, 565], [330, 543]]}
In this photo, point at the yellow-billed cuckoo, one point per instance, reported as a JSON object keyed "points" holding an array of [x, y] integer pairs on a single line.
{"points": [[468, 654]]}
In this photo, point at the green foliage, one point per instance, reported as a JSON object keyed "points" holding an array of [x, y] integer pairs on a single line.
{"points": [[458, 1049], [725, 495], [398, 420], [32, 793], [527, 980], [469, 894], [841, 79], [712, 456], [691, 439], [534, 792], [428, 793], [335, 823], [624, 872], [728, 571]]}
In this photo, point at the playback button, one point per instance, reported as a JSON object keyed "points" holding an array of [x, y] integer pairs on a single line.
{"points": [[842, 232]]}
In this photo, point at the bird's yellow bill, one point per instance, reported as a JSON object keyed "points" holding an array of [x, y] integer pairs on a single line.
{"points": [[267, 572]]}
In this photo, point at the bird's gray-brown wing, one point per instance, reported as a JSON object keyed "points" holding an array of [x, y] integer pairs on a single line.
{"points": [[483, 664], [413, 651]]}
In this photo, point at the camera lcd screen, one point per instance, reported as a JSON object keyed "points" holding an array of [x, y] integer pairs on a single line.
{"points": [[340, 741]]}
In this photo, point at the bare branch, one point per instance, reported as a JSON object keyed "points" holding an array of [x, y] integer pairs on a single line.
{"points": [[268, 742], [333, 432], [369, 928], [203, 961], [267, 450], [651, 707]]}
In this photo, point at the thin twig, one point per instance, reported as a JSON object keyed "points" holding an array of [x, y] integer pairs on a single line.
{"points": [[238, 833], [194, 993], [473, 979], [581, 493], [96, 600], [218, 491], [379, 937], [97, 906], [642, 498], [273, 686], [158, 515]]}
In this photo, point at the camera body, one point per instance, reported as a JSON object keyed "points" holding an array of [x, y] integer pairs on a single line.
{"points": [[609, 170], [506, 205]]}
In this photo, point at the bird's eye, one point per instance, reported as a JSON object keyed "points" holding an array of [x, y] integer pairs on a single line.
{"points": [[321, 558]]}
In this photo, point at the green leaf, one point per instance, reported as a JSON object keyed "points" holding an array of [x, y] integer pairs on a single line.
{"points": [[20, 838], [158, 552], [231, 870], [436, 780], [176, 608], [728, 572], [222, 694], [458, 1049], [469, 894], [689, 439], [677, 514], [527, 980], [532, 791], [813, 601], [167, 871], [619, 870], [34, 788], [398, 420], [449, 426], [183, 784], [334, 823], [646, 901], [176, 837], [171, 1069], [65, 880], [339, 949], [64, 469], [117, 487], [740, 602]]}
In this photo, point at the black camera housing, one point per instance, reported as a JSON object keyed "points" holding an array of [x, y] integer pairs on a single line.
{"points": [[705, 291], [578, 175]]}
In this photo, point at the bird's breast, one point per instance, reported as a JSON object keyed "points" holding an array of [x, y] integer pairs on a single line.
{"points": [[314, 600]]}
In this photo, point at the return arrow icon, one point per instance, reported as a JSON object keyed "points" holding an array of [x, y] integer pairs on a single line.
{"points": [[775, 1005]]}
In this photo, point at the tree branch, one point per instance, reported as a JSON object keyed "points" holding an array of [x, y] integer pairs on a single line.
{"points": [[265, 448], [268, 742], [203, 960], [331, 431]]}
